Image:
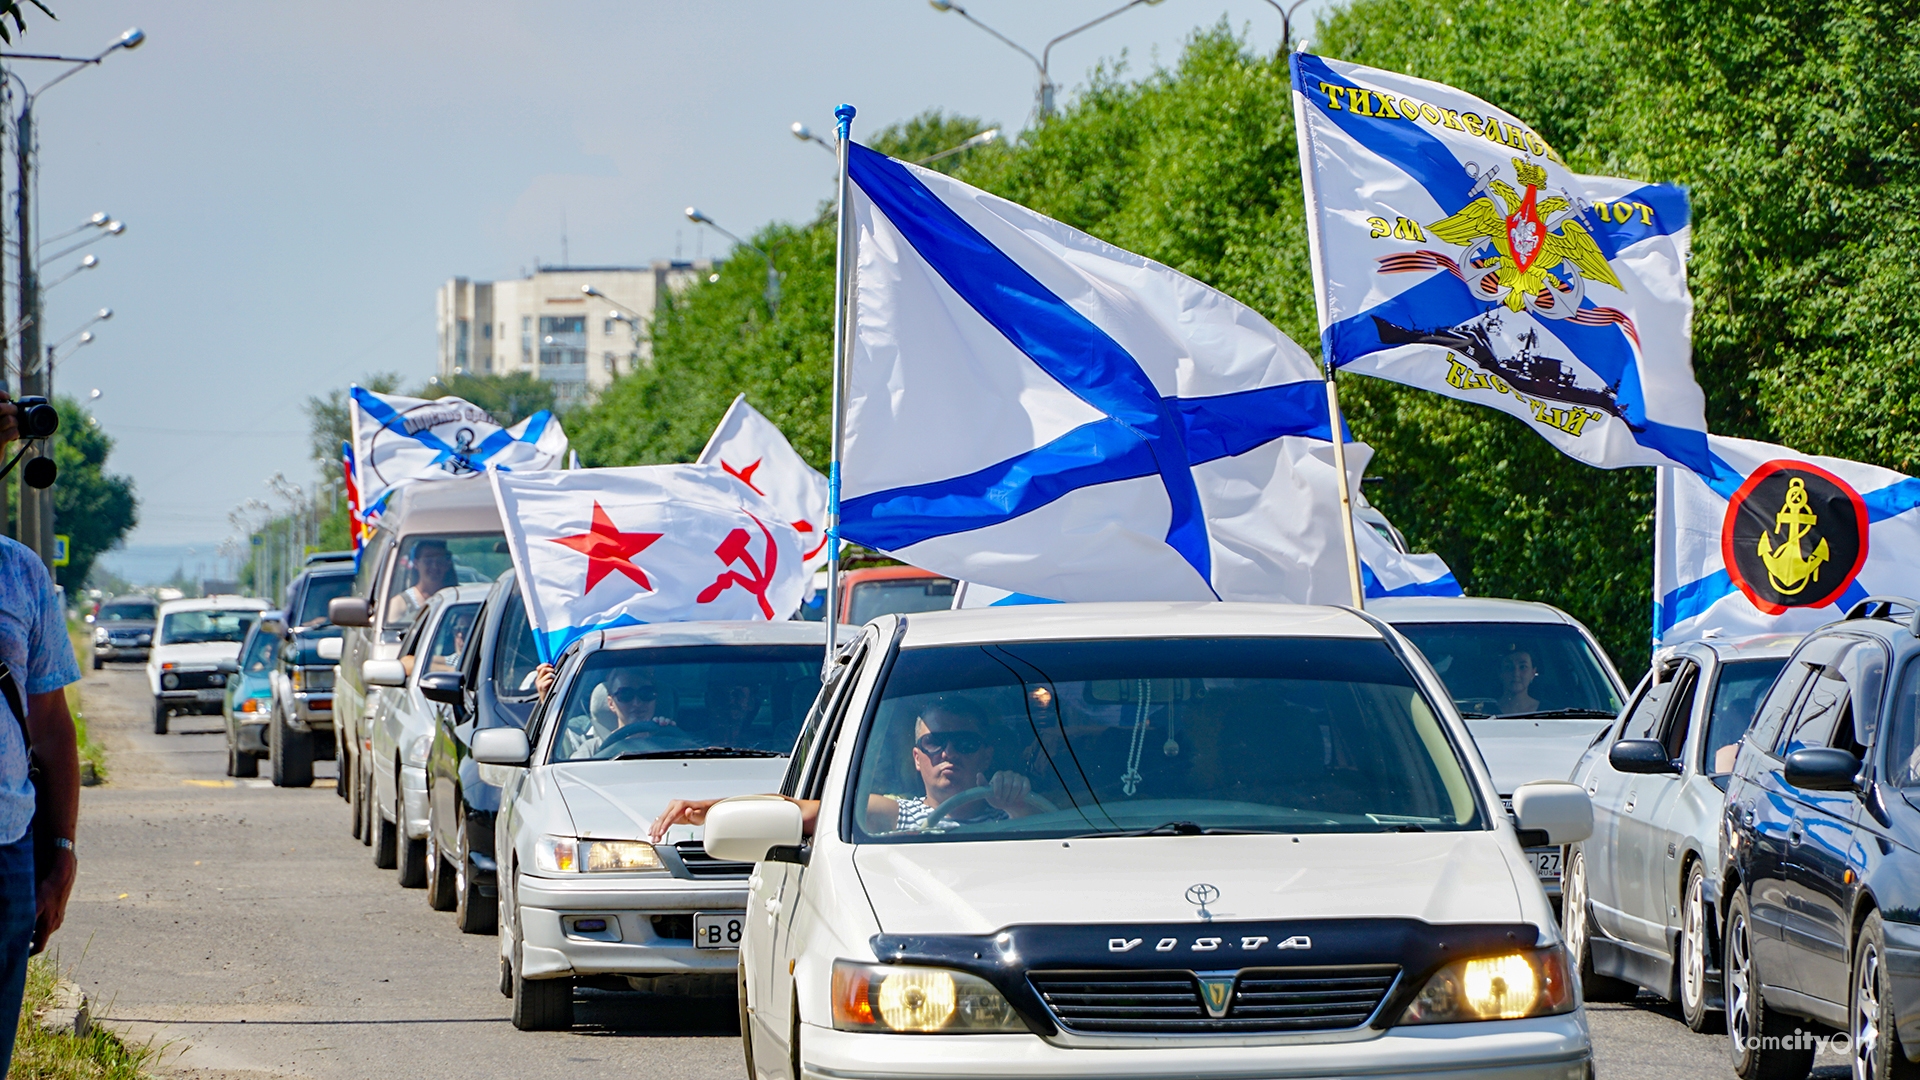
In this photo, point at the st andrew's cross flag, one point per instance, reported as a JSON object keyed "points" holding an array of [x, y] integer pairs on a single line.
{"points": [[1454, 251], [1778, 541], [602, 548], [754, 452], [400, 440], [1032, 409]]}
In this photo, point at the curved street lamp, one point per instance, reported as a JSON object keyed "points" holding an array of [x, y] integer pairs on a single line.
{"points": [[773, 274], [1045, 94]]}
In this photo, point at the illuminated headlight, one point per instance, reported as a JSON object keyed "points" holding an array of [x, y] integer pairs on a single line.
{"points": [[917, 1001], [565, 854], [417, 750], [99, 633], [1532, 983], [306, 679], [169, 680]]}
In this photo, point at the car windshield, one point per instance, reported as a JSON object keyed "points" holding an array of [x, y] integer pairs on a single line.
{"points": [[868, 600], [690, 701], [193, 627], [1741, 685], [1530, 669], [1064, 739], [431, 562], [257, 655], [322, 590], [126, 611]]}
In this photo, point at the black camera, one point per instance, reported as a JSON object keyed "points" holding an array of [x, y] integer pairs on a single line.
{"points": [[37, 419]]}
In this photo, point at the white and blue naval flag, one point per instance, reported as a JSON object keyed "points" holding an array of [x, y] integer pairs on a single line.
{"points": [[1453, 250], [1778, 541], [603, 548], [1034, 410], [400, 440]]}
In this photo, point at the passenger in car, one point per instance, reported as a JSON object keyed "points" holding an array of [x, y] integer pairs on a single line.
{"points": [[432, 568], [622, 707], [732, 704], [1517, 673]]}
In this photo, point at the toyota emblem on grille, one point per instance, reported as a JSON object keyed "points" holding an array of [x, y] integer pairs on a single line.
{"points": [[1201, 895]]}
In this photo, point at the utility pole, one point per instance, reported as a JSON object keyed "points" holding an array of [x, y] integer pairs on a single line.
{"points": [[32, 501]]}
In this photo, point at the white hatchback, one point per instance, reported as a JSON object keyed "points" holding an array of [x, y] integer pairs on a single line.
{"points": [[1234, 840], [195, 648]]}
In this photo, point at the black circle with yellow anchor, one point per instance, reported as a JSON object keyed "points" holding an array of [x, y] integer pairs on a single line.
{"points": [[1794, 536]]}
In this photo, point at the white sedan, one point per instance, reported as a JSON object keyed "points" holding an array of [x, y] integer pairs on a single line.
{"points": [[1233, 840], [637, 717]]}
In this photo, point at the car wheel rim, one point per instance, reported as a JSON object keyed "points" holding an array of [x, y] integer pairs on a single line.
{"points": [[460, 867], [1739, 984], [1866, 1015], [1574, 910], [1693, 958]]}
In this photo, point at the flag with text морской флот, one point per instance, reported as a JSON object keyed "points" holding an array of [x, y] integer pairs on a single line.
{"points": [[753, 451], [401, 440], [1032, 409], [1778, 541], [1454, 251], [602, 548]]}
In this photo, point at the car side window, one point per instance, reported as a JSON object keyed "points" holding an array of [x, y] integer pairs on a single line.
{"points": [[1644, 721], [1903, 730], [1816, 722], [1771, 717], [1679, 716], [815, 777], [829, 695]]}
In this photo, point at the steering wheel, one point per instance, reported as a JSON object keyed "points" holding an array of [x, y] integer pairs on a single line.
{"points": [[979, 794], [633, 730], [1488, 705]]}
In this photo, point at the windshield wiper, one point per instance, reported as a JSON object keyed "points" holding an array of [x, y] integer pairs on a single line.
{"points": [[1464, 715], [1173, 828], [702, 752], [1561, 714]]}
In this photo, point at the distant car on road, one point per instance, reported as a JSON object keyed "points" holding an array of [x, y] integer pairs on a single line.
{"points": [[196, 637], [249, 702], [640, 716], [123, 629], [873, 591], [1642, 896]]}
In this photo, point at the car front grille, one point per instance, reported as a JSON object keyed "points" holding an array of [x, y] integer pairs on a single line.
{"points": [[1172, 1002], [699, 864], [192, 680]]}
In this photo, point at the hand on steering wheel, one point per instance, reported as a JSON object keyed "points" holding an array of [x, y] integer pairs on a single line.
{"points": [[1006, 787]]}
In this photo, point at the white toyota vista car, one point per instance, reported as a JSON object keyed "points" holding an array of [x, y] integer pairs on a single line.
{"points": [[1232, 840]]}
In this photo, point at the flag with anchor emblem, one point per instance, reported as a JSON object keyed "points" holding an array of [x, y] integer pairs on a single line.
{"points": [[402, 440], [1775, 540], [1454, 250], [602, 548], [1034, 410], [753, 451]]}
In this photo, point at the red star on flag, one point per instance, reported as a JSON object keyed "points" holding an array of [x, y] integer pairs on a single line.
{"points": [[608, 550]]}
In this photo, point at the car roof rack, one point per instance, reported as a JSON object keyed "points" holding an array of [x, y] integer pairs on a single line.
{"points": [[1883, 607], [328, 556]]}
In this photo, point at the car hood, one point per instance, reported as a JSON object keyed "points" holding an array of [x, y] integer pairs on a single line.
{"points": [[203, 653], [976, 888], [620, 799], [1519, 751]]}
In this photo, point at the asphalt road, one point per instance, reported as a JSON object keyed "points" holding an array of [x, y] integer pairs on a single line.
{"points": [[244, 930]]}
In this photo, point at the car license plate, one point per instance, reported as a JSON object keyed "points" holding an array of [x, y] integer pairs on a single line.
{"points": [[211, 693], [718, 929], [1546, 863]]}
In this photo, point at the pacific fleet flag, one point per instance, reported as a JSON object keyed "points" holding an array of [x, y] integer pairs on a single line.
{"points": [[753, 451], [401, 440], [1453, 250], [1778, 541], [1032, 409], [602, 548]]}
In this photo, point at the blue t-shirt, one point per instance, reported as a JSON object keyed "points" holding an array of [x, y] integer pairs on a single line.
{"points": [[34, 644]]}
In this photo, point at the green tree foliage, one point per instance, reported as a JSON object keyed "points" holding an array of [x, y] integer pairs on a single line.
{"points": [[1788, 126], [510, 398], [92, 508], [329, 418]]}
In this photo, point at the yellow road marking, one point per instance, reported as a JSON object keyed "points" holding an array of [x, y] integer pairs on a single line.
{"points": [[208, 783]]}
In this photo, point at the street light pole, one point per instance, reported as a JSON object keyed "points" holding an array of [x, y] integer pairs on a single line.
{"points": [[1286, 23], [1045, 94], [773, 274]]}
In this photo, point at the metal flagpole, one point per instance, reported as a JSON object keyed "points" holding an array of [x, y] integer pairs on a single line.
{"points": [[1310, 188], [843, 264]]}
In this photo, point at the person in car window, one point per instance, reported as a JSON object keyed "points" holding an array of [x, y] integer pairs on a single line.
{"points": [[432, 568], [952, 755], [1516, 682], [623, 707], [732, 703]]}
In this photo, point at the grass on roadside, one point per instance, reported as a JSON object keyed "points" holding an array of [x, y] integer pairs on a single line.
{"points": [[39, 1054], [91, 753]]}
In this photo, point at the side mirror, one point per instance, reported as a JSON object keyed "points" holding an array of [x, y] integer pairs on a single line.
{"points": [[1820, 768], [1557, 808], [349, 611], [228, 667], [501, 746], [744, 829], [1645, 756], [441, 686], [384, 673], [329, 648]]}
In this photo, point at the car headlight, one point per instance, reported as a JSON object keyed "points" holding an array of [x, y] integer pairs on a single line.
{"points": [[1507, 987], [144, 639], [567, 854], [417, 750], [216, 679], [99, 633], [917, 1001], [169, 680], [254, 704]]}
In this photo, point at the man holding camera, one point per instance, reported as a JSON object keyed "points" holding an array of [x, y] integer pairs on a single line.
{"points": [[39, 664]]}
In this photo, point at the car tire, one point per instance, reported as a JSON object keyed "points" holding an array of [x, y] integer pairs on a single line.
{"points": [[542, 1004], [506, 978], [746, 1029], [290, 754], [1766, 1045], [1577, 924], [1690, 958], [368, 816], [339, 765], [159, 716], [246, 764], [410, 859], [97, 662], [473, 913], [386, 839], [354, 799], [1875, 1041], [439, 878]]}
